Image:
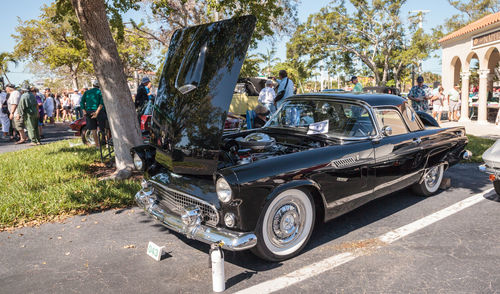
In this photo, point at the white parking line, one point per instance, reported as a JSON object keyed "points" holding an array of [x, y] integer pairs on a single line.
{"points": [[339, 259]]}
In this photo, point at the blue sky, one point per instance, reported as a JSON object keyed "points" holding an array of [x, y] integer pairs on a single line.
{"points": [[439, 11]]}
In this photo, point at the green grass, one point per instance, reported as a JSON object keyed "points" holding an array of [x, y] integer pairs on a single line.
{"points": [[44, 182], [477, 146]]}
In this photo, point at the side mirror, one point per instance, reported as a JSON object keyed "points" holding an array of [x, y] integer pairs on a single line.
{"points": [[387, 131]]}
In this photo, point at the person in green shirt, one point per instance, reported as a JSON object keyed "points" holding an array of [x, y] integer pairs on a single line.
{"points": [[92, 107], [28, 109], [357, 85]]}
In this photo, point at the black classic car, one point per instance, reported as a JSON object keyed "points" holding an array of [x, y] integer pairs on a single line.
{"points": [[319, 156]]}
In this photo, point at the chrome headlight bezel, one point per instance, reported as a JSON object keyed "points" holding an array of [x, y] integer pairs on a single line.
{"points": [[138, 162], [224, 191]]}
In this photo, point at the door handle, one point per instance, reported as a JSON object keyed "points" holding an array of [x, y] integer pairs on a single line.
{"points": [[417, 140]]}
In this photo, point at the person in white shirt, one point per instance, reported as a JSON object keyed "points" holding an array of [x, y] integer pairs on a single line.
{"points": [[285, 85], [267, 95], [454, 98], [15, 117], [75, 100]]}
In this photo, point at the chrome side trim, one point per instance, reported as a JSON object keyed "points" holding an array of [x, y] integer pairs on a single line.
{"points": [[363, 194], [230, 240]]}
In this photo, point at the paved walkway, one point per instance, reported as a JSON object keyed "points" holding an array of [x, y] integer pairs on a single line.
{"points": [[52, 133], [489, 130]]}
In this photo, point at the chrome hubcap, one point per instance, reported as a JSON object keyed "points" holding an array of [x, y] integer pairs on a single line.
{"points": [[432, 177], [286, 225]]}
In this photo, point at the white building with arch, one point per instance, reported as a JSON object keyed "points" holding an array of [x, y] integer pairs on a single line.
{"points": [[479, 40]]}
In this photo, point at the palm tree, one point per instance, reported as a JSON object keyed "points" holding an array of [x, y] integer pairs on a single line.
{"points": [[268, 59], [5, 58]]}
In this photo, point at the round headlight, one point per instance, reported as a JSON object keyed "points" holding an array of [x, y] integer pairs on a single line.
{"points": [[223, 189], [138, 163]]}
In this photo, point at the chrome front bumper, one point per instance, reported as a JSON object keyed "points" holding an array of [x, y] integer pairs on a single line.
{"points": [[492, 171], [230, 240]]}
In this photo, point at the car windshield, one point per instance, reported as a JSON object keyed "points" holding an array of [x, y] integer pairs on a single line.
{"points": [[335, 119]]}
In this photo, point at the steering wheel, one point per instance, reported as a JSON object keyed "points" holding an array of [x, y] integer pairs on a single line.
{"points": [[363, 129]]}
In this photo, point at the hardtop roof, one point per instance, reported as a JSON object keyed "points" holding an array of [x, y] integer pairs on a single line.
{"points": [[369, 98]]}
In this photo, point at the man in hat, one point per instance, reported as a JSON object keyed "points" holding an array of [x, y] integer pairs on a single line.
{"points": [[420, 95], [75, 100], [285, 88], [142, 95], [28, 109], [357, 85], [15, 117], [93, 109]]}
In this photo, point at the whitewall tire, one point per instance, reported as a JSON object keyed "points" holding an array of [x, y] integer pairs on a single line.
{"points": [[285, 225]]}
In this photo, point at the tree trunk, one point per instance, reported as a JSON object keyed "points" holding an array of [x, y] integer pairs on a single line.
{"points": [[74, 80], [113, 82]]}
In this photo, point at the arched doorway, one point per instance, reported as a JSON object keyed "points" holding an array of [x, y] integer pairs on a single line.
{"points": [[489, 86]]}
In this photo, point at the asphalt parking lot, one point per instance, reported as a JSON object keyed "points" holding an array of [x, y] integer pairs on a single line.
{"points": [[106, 252]]}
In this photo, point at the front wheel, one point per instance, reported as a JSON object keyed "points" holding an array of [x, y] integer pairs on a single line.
{"points": [[430, 182], [285, 225], [496, 184]]}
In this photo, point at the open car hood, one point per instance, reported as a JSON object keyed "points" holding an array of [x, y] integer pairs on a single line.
{"points": [[195, 90]]}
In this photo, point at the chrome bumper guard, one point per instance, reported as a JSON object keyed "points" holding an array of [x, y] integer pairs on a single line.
{"points": [[492, 171], [230, 240]]}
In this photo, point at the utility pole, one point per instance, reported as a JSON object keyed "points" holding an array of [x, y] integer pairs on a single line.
{"points": [[420, 15]]}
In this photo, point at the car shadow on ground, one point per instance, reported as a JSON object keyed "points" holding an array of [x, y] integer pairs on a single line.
{"points": [[368, 213], [492, 196]]}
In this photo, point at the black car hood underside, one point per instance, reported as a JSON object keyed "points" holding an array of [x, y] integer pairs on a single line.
{"points": [[195, 90]]}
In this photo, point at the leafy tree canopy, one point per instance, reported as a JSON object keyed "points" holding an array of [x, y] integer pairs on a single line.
{"points": [[469, 11], [54, 45], [371, 33], [272, 16]]}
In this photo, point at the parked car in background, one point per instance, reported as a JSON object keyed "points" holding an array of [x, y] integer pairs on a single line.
{"points": [[382, 90], [246, 95], [491, 165], [318, 157], [333, 90]]}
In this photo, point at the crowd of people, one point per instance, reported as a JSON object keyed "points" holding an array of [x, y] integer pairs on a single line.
{"points": [[437, 101], [27, 108]]}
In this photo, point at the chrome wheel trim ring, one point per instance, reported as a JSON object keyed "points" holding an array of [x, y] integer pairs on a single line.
{"points": [[287, 222], [89, 137], [433, 177]]}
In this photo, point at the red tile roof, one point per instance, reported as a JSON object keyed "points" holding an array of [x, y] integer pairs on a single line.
{"points": [[478, 24]]}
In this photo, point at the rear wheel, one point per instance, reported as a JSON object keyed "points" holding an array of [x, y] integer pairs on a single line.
{"points": [[496, 184], [430, 182], [86, 135], [285, 225]]}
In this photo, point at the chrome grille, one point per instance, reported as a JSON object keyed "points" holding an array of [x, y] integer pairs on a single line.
{"points": [[176, 201]]}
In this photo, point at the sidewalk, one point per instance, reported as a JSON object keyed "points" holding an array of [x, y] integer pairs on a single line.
{"points": [[490, 131], [52, 133]]}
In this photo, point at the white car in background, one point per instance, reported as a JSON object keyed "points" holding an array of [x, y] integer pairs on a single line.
{"points": [[491, 164]]}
